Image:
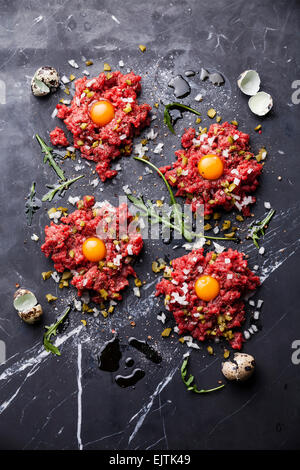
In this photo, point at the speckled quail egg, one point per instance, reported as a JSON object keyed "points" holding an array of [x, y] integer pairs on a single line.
{"points": [[261, 103], [249, 82], [44, 81], [240, 368], [25, 302]]}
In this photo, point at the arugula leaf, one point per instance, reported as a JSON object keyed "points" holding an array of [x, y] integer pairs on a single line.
{"points": [[188, 382], [177, 213], [32, 204], [148, 209], [257, 229], [175, 105], [58, 187], [49, 157], [52, 331]]}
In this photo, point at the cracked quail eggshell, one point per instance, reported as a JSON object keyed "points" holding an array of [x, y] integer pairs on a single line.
{"points": [[261, 103], [249, 82]]}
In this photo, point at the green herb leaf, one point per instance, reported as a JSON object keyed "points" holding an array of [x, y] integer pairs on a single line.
{"points": [[257, 229], [52, 331], [178, 218], [32, 204], [58, 187], [180, 106], [189, 381], [47, 151]]}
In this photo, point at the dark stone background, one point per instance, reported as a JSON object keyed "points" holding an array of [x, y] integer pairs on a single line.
{"points": [[39, 393]]}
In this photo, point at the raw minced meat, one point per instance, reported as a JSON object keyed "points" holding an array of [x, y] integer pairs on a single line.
{"points": [[104, 144], [58, 137], [63, 242], [216, 318], [238, 181]]}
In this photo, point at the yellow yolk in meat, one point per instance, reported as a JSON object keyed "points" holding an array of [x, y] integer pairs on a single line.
{"points": [[207, 288], [102, 112], [94, 249], [210, 167]]}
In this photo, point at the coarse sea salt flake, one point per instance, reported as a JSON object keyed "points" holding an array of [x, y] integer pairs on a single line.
{"points": [[218, 248], [151, 134], [73, 200], [73, 63], [90, 82], [137, 292], [65, 79], [190, 344], [77, 305], [162, 317], [256, 315], [158, 148], [267, 205], [198, 97], [261, 250], [55, 276], [126, 189], [95, 182]]}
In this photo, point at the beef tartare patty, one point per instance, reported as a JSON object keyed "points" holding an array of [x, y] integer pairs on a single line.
{"points": [[117, 120], [225, 178], [225, 278], [66, 243]]}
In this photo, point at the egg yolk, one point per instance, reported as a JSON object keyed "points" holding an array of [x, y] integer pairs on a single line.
{"points": [[94, 249], [207, 288], [102, 112], [210, 167]]}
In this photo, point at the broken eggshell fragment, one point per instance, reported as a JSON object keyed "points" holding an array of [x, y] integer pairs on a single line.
{"points": [[216, 79], [261, 103], [249, 82], [25, 302], [240, 368]]}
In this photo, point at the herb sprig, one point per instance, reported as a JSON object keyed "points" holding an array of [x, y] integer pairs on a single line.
{"points": [[52, 331], [54, 188], [189, 381], [175, 105], [32, 204], [257, 229], [178, 217], [47, 151]]}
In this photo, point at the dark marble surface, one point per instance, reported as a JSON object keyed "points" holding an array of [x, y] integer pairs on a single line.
{"points": [[67, 402]]}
